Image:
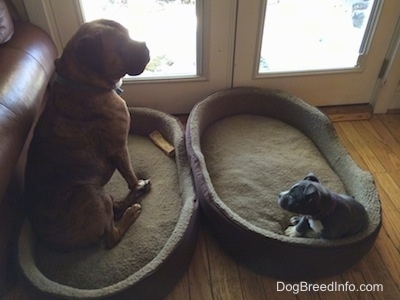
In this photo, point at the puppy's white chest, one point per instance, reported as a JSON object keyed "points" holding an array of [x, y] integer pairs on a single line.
{"points": [[316, 225]]}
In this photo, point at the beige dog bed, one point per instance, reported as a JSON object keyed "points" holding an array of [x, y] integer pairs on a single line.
{"points": [[156, 250], [247, 145]]}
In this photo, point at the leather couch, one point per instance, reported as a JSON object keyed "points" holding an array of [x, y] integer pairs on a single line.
{"points": [[26, 65]]}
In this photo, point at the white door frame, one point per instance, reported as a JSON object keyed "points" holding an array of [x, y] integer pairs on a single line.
{"points": [[41, 13], [388, 82]]}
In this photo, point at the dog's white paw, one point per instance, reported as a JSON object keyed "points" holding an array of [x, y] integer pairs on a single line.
{"points": [[134, 210], [316, 226], [292, 232], [131, 214], [142, 184], [142, 187], [295, 220]]}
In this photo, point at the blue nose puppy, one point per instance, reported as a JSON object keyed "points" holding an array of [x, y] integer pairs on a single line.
{"points": [[329, 215]]}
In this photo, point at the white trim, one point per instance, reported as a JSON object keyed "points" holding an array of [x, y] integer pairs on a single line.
{"points": [[385, 89], [66, 23], [40, 13]]}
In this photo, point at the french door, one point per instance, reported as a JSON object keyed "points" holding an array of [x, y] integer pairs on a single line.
{"points": [[329, 52]]}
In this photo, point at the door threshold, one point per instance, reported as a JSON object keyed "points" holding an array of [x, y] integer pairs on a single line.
{"points": [[343, 113]]}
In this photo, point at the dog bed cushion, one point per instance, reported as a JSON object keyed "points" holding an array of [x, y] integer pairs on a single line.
{"points": [[247, 145], [155, 251]]}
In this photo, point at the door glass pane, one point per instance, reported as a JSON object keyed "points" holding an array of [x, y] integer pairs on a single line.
{"points": [[311, 35], [169, 28]]}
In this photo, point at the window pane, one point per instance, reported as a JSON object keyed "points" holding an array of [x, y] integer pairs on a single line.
{"points": [[305, 35], [167, 26]]}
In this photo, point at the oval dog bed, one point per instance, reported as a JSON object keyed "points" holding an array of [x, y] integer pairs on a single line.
{"points": [[156, 250], [245, 146]]}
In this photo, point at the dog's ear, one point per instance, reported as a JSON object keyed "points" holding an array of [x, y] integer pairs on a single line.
{"points": [[89, 52], [311, 177], [310, 191]]}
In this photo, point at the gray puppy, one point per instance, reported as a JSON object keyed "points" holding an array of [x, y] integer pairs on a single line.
{"points": [[329, 215]]}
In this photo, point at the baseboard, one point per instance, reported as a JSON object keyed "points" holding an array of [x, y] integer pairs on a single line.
{"points": [[393, 111], [348, 112]]}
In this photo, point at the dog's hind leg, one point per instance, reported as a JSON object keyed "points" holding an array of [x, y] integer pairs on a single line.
{"points": [[115, 232]]}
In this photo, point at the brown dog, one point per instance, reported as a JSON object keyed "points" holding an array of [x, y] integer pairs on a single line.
{"points": [[81, 139]]}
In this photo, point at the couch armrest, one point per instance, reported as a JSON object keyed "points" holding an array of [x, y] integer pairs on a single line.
{"points": [[26, 65]]}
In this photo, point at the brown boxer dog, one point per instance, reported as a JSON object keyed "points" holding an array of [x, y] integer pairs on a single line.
{"points": [[81, 139]]}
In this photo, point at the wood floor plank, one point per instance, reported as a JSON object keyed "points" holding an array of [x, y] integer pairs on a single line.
{"points": [[275, 289], [225, 280], [378, 123], [199, 272], [331, 284], [392, 123], [360, 146], [378, 277], [355, 276], [252, 284], [391, 187], [390, 254], [390, 215], [379, 144], [181, 289], [341, 129]]}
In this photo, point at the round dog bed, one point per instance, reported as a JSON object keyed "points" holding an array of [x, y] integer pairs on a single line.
{"points": [[245, 146], [156, 250]]}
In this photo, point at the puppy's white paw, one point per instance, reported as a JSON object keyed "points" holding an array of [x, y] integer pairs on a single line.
{"points": [[292, 232], [295, 220], [316, 226]]}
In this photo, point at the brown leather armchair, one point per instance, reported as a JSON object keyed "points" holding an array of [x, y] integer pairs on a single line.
{"points": [[26, 65]]}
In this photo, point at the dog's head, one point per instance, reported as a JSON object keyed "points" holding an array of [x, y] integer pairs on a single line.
{"points": [[305, 197], [102, 52]]}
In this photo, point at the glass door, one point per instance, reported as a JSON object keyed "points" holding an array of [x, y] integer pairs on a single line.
{"points": [[191, 53], [329, 52]]}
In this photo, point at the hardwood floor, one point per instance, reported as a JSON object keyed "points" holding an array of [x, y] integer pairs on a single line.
{"points": [[375, 145]]}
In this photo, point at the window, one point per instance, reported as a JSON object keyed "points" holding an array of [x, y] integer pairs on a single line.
{"points": [[304, 35], [169, 27]]}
